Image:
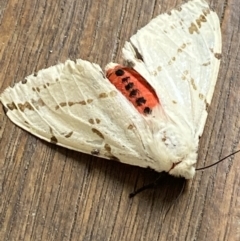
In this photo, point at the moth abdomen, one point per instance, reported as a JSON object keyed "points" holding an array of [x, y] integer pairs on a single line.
{"points": [[133, 86]]}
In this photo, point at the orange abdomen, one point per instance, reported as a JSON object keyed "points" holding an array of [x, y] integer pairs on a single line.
{"points": [[134, 87]]}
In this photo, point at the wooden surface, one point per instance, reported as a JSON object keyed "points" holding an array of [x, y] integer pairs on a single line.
{"points": [[51, 193]]}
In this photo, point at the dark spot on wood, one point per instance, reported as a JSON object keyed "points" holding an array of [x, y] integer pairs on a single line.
{"points": [[38, 90], [98, 133], [147, 110], [125, 79], [119, 72], [140, 101], [69, 134], [129, 86], [33, 89], [133, 92], [53, 140]]}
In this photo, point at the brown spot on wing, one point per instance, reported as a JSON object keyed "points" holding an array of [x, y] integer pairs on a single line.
{"points": [[206, 64], [54, 140], [95, 152], [201, 20], [193, 84], [69, 134], [193, 28], [206, 105], [201, 96], [89, 101], [91, 121], [107, 147], [24, 81], [98, 133], [130, 127], [37, 103], [103, 95], [25, 106], [113, 93], [218, 56], [12, 106], [83, 102], [206, 11]]}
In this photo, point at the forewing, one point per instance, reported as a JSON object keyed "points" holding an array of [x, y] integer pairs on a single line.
{"points": [[75, 106], [179, 55]]}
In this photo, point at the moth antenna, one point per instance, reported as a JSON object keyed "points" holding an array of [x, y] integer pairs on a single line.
{"points": [[148, 186], [202, 168]]}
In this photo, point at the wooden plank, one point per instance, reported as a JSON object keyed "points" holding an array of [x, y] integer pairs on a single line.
{"points": [[51, 193]]}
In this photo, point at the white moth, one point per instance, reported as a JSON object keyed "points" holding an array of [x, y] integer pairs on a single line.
{"points": [[76, 106]]}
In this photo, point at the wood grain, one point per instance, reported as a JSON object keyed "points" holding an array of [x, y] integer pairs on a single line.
{"points": [[51, 193]]}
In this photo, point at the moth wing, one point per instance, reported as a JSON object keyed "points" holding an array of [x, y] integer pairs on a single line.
{"points": [[75, 106], [179, 55]]}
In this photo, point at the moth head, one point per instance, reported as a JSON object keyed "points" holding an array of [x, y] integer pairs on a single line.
{"points": [[184, 168]]}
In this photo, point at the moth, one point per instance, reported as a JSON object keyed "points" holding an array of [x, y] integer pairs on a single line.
{"points": [[149, 113]]}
